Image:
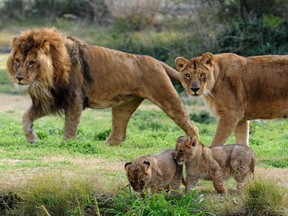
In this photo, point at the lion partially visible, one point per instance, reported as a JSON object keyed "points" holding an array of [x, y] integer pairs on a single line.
{"points": [[64, 75], [216, 163], [156, 172], [238, 89]]}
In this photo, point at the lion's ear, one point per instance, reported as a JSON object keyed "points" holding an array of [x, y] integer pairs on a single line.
{"points": [[180, 62], [192, 141], [181, 139], [146, 165], [15, 41], [127, 165], [46, 47], [207, 58]]}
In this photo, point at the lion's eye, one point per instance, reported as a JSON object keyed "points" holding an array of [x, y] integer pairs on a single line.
{"points": [[202, 75], [187, 75], [31, 64], [17, 61]]}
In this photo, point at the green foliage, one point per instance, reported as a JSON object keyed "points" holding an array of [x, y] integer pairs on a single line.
{"points": [[279, 163], [253, 36], [102, 135], [202, 117], [264, 197]]}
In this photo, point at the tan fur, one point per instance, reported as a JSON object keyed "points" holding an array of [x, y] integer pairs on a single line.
{"points": [[157, 172], [64, 75], [238, 89], [216, 163]]}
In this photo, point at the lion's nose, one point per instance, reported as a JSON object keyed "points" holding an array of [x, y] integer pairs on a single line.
{"points": [[194, 89], [19, 78]]}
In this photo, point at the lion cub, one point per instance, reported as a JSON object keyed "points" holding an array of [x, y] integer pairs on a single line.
{"points": [[215, 163], [157, 172]]}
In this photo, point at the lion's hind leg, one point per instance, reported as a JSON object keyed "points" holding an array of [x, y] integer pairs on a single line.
{"points": [[241, 133], [120, 117], [242, 172]]}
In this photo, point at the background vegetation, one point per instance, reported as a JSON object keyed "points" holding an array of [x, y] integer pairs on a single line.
{"points": [[86, 177]]}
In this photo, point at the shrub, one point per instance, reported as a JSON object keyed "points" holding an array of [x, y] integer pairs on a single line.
{"points": [[253, 36]]}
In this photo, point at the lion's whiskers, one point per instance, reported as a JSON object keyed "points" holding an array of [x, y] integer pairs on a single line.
{"points": [[209, 94]]}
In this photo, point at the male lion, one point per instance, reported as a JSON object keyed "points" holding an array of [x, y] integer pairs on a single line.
{"points": [[238, 89], [157, 172], [216, 163], [64, 75]]}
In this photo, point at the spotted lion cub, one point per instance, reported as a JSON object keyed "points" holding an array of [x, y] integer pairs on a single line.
{"points": [[215, 163], [157, 172]]}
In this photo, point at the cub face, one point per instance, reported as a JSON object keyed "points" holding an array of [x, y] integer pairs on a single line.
{"points": [[196, 74], [186, 149], [138, 174]]}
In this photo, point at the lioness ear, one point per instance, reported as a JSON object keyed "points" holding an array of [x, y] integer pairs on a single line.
{"points": [[207, 58], [180, 62], [127, 165]]}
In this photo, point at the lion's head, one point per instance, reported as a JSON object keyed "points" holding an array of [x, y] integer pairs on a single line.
{"points": [[38, 56], [186, 148], [196, 74], [40, 63], [138, 173]]}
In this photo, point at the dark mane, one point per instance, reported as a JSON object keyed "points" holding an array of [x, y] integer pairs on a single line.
{"points": [[64, 94]]}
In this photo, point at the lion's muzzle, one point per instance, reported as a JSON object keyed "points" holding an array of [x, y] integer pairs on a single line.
{"points": [[194, 87]]}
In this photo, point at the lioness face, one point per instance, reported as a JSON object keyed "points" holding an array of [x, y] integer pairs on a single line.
{"points": [[27, 66], [185, 149], [196, 74], [138, 174]]}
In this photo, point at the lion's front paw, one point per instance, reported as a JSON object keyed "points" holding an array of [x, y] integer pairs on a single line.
{"points": [[112, 142], [31, 137], [222, 191]]}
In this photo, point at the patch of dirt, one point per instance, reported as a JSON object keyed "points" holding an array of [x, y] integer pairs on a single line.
{"points": [[279, 175], [95, 163], [14, 102]]}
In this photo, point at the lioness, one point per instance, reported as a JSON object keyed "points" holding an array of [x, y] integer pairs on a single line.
{"points": [[216, 163], [64, 75], [238, 89], [157, 172]]}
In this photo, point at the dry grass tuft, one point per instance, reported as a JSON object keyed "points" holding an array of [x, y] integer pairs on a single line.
{"points": [[56, 194], [265, 197]]}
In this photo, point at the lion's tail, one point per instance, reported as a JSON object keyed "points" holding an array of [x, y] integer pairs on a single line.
{"points": [[172, 73]]}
